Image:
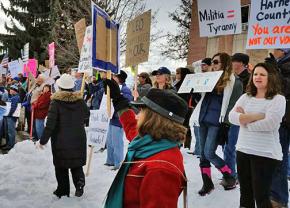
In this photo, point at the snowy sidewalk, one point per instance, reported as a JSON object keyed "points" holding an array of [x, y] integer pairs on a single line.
{"points": [[27, 181]]}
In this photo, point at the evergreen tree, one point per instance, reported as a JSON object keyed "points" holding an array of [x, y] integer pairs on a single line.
{"points": [[177, 44], [30, 22]]}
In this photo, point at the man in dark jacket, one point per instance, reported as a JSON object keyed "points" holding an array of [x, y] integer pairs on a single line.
{"points": [[66, 128], [240, 63], [279, 191]]}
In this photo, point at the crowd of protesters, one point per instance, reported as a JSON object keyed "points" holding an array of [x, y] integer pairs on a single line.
{"points": [[247, 113]]}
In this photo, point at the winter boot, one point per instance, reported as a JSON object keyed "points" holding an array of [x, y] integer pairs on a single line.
{"points": [[228, 182], [207, 186], [59, 194], [80, 187]]}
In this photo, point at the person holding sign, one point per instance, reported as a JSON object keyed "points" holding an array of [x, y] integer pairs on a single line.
{"points": [[210, 115], [152, 174], [114, 142], [259, 113], [40, 107], [10, 119], [65, 126]]}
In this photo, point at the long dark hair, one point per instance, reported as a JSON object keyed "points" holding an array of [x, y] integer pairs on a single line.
{"points": [[274, 83], [227, 71]]}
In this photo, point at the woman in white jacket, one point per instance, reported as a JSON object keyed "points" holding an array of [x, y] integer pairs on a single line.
{"points": [[259, 113]]}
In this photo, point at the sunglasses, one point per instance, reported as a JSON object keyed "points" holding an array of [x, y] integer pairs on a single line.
{"points": [[215, 62]]}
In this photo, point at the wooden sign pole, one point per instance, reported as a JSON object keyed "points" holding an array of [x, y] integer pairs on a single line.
{"points": [[135, 82], [90, 160], [83, 83]]}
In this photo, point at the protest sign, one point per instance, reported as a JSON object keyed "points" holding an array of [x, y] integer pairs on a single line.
{"points": [[51, 52], [269, 25], [15, 68], [54, 72], [25, 56], [2, 70], [85, 64], [138, 39], [219, 17], [80, 29], [16, 112], [98, 128], [200, 82], [31, 81], [30, 66], [105, 42], [42, 68]]}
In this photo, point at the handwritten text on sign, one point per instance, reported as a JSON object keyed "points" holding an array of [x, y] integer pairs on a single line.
{"points": [[85, 64], [138, 39], [219, 17], [98, 128], [269, 24], [200, 82]]}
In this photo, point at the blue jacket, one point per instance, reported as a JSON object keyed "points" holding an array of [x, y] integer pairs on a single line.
{"points": [[96, 92], [211, 108], [126, 92], [15, 99]]}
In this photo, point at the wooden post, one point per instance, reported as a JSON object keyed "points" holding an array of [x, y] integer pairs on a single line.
{"points": [[31, 124], [135, 68], [90, 160], [83, 83]]}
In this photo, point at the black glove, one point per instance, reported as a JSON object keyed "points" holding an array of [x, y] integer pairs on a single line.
{"points": [[119, 102]]}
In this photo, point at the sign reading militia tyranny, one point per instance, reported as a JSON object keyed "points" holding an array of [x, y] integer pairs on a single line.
{"points": [[219, 17]]}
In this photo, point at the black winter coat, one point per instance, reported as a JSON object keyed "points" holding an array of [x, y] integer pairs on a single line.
{"points": [[284, 69], [66, 127]]}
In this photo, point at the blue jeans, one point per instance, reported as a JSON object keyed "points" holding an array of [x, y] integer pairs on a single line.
{"points": [[208, 145], [279, 189], [197, 141], [39, 127], [230, 149], [10, 123], [115, 146]]}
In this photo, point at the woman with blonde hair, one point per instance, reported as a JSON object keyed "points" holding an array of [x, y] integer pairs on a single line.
{"points": [[163, 79], [210, 113], [152, 174]]}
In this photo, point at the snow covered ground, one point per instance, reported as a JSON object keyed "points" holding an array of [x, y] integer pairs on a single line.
{"points": [[27, 181]]}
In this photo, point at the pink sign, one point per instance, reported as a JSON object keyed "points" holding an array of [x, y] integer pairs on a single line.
{"points": [[51, 51], [31, 66]]}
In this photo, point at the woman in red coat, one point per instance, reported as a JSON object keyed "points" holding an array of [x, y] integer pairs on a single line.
{"points": [[152, 174], [40, 107]]}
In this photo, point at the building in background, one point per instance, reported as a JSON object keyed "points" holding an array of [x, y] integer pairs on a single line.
{"points": [[201, 47]]}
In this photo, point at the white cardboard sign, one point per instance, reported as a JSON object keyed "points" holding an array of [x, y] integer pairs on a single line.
{"points": [[98, 128], [200, 82], [219, 17], [85, 63]]}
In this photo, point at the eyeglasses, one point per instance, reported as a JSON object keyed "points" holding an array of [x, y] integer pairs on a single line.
{"points": [[215, 62]]}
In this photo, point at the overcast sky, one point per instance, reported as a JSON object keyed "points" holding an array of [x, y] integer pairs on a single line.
{"points": [[163, 23]]}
